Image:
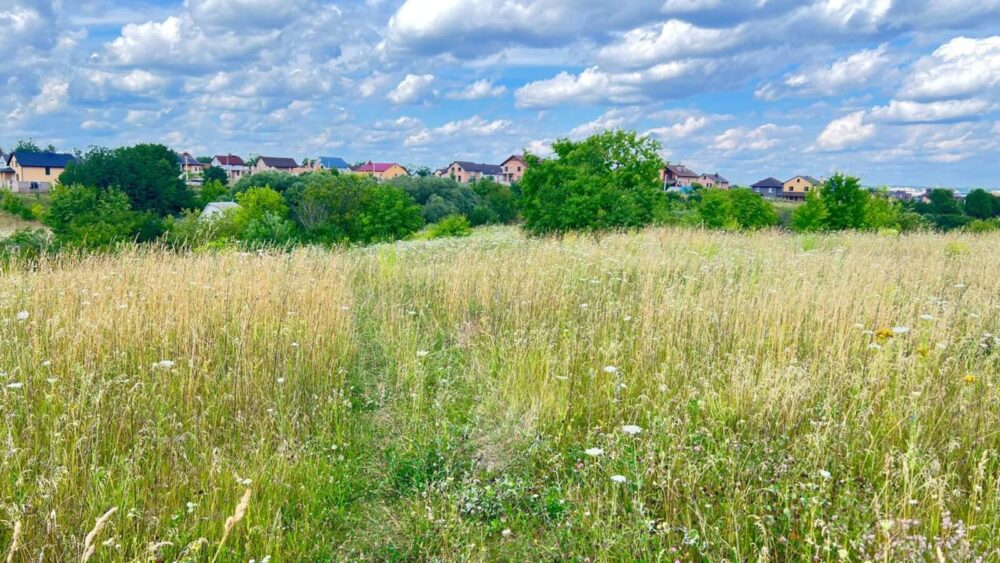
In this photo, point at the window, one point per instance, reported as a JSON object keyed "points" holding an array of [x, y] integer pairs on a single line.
{"points": [[518, 168], [48, 171]]}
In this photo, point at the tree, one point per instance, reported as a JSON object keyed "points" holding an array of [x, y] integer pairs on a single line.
{"points": [[212, 191], [255, 203], [498, 204], [881, 212], [979, 204], [439, 197], [386, 213], [96, 218], [29, 145], [716, 210], [147, 174], [942, 202], [215, 173], [845, 201], [608, 181], [812, 215], [280, 182], [750, 210]]}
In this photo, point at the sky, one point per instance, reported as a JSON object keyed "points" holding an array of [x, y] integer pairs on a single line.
{"points": [[898, 92]]}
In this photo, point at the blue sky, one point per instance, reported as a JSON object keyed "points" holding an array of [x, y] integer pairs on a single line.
{"points": [[898, 92]]}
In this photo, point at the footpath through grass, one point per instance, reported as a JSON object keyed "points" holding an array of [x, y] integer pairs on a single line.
{"points": [[673, 394]]}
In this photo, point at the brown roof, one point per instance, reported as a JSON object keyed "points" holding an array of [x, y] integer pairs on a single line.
{"points": [[681, 171], [279, 162], [230, 160]]}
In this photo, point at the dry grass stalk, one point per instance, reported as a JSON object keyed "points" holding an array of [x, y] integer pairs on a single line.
{"points": [[89, 545], [15, 540], [232, 521]]}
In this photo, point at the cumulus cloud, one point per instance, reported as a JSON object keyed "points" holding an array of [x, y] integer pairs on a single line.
{"points": [[903, 111], [762, 138], [672, 39], [474, 126], [845, 132], [842, 75], [413, 89], [179, 41], [681, 129], [961, 67], [478, 90], [617, 118], [53, 96]]}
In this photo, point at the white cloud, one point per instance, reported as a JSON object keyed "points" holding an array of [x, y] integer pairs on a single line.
{"points": [[413, 89], [845, 132], [617, 118], [474, 126], [842, 75], [478, 90], [178, 41], [761, 138], [242, 13], [53, 95], [903, 111], [672, 39], [961, 67], [594, 86], [681, 129]]}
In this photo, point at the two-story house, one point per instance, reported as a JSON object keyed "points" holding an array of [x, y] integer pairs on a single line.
{"points": [[678, 175], [797, 187], [234, 166], [769, 187], [33, 171], [332, 163], [463, 171], [512, 169], [190, 167], [714, 181], [380, 170], [275, 164]]}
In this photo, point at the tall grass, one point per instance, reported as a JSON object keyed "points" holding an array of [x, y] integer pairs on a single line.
{"points": [[830, 397]]}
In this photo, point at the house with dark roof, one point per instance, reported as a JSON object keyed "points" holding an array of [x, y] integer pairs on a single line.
{"points": [[677, 175], [797, 188], [465, 171], [275, 164], [713, 181], [770, 187], [234, 166], [380, 170], [33, 171], [332, 163], [513, 169]]}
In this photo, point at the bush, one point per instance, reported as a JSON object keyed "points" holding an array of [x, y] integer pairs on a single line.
{"points": [[25, 244], [280, 182], [811, 216], [738, 208], [191, 231], [438, 197], [213, 191], [498, 203], [17, 207], [255, 204], [846, 202], [609, 181], [450, 226], [96, 218], [983, 226]]}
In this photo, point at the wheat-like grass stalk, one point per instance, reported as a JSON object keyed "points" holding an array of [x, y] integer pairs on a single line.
{"points": [[232, 521], [89, 545], [15, 540]]}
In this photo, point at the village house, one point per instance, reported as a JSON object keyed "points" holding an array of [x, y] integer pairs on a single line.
{"points": [[233, 165], [463, 171], [276, 164], [797, 187], [332, 163], [713, 181], [675, 175], [769, 187], [33, 171], [512, 169], [380, 170], [190, 167]]}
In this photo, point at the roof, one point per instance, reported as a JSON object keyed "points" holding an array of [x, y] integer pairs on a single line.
{"points": [[187, 160], [716, 178], [43, 159], [769, 182], [218, 207], [6, 170], [681, 171], [376, 167], [279, 162], [809, 179], [487, 169], [230, 160], [333, 162], [516, 157]]}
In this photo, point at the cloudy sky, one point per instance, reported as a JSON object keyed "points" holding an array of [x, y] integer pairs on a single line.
{"points": [[902, 92]]}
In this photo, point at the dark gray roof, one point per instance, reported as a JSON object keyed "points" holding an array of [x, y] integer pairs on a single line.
{"points": [[809, 179], [487, 169], [716, 178], [333, 162], [769, 182], [681, 171], [43, 159], [279, 162]]}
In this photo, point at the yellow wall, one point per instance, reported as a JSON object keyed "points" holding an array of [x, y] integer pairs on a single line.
{"points": [[798, 184], [31, 174], [394, 171]]}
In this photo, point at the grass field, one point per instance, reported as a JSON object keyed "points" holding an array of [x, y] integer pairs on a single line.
{"points": [[669, 395]]}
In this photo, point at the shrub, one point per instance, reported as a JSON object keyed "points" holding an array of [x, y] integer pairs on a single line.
{"points": [[983, 226], [25, 244], [608, 181], [716, 210], [280, 182], [498, 203], [255, 203], [750, 210], [438, 197], [812, 215], [96, 218], [979, 205], [846, 202], [213, 191], [450, 226], [17, 207]]}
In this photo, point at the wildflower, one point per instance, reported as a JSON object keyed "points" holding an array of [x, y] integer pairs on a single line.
{"points": [[628, 318], [163, 364], [874, 346], [506, 532], [46, 363], [15, 385], [900, 329], [619, 479], [594, 452], [610, 369], [52, 380], [969, 378], [631, 429], [22, 316], [824, 474], [884, 334], [295, 344], [927, 317], [422, 353], [584, 306], [191, 506], [281, 381]]}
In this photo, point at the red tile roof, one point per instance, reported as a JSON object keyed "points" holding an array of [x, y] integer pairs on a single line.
{"points": [[230, 160], [375, 167]]}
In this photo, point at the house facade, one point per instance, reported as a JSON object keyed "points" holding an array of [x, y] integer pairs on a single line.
{"points": [[190, 167], [233, 165], [275, 164], [798, 187], [332, 163], [380, 170], [463, 171], [28, 172], [512, 170], [714, 181], [678, 175], [769, 187]]}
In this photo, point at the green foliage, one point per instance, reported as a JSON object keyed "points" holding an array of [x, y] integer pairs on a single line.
{"points": [[280, 182], [738, 208], [980, 205], [386, 213], [29, 145], [191, 231], [82, 216], [212, 191], [438, 197], [942, 202], [716, 210], [881, 212], [255, 205], [812, 215], [609, 181], [25, 244], [846, 202], [983, 226], [17, 207], [147, 174], [450, 226], [498, 203], [216, 174], [271, 228]]}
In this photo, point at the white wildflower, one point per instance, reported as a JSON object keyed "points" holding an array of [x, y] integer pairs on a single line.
{"points": [[422, 353], [23, 316], [631, 429], [594, 452], [15, 385], [506, 533], [619, 479], [163, 364], [927, 317], [900, 329], [281, 381], [610, 369], [824, 474]]}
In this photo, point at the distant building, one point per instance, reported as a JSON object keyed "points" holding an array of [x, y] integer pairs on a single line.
{"points": [[512, 169], [713, 181], [276, 164], [190, 167], [678, 175], [215, 209], [233, 165], [769, 187], [33, 171], [464, 171], [332, 163], [798, 187], [380, 170]]}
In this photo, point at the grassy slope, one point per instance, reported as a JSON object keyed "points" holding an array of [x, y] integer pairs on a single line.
{"points": [[770, 426]]}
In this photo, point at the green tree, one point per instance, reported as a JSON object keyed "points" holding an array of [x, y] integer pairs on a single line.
{"points": [[212, 191], [881, 212], [716, 210], [96, 218], [215, 173], [498, 204], [810, 216], [29, 145], [280, 182], [439, 197], [255, 203], [750, 210], [609, 181], [385, 213], [942, 201], [147, 174], [845, 201], [979, 204]]}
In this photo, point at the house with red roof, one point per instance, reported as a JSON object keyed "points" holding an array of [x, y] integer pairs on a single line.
{"points": [[234, 166], [380, 170]]}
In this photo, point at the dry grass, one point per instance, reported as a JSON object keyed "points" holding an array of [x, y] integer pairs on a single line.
{"points": [[435, 400]]}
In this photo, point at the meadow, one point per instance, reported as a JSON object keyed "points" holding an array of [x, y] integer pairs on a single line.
{"points": [[663, 395]]}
